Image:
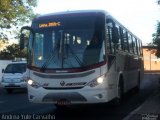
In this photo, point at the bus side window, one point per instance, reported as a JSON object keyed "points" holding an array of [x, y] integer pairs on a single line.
{"points": [[113, 35], [134, 45], [140, 47], [121, 38], [118, 38], [109, 38], [130, 43], [138, 50], [125, 39], [119, 44]]}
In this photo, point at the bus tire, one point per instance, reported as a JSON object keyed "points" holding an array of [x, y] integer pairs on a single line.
{"points": [[120, 94], [137, 88]]}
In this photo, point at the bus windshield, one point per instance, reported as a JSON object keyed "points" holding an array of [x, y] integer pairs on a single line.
{"points": [[67, 41]]}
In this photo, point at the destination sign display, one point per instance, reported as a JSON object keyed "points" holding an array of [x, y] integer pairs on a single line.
{"points": [[50, 24]]}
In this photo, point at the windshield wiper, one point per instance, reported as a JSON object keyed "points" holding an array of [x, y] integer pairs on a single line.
{"points": [[75, 56], [50, 58]]}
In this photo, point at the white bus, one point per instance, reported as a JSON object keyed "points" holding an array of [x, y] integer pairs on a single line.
{"points": [[81, 57]]}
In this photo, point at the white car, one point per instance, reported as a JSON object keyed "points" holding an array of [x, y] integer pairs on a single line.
{"points": [[12, 77]]}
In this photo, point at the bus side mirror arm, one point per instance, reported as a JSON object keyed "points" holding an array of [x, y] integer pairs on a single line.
{"points": [[26, 28], [22, 36], [22, 40]]}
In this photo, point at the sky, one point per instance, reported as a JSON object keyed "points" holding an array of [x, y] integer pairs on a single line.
{"points": [[139, 16]]}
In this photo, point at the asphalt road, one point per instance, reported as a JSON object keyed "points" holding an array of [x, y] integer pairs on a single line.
{"points": [[17, 103]]}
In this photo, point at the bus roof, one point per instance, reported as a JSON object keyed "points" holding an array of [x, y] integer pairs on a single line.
{"points": [[83, 11], [72, 12]]}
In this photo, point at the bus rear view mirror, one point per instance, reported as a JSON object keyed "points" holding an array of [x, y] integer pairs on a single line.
{"points": [[24, 36], [22, 40], [115, 35]]}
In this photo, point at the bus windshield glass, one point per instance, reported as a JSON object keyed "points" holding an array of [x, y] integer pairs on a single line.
{"points": [[67, 41]]}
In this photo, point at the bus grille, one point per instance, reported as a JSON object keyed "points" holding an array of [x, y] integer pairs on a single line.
{"points": [[72, 96], [62, 88]]}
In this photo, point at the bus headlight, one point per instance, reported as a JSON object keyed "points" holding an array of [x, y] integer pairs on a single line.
{"points": [[30, 82], [96, 82], [33, 83], [100, 79]]}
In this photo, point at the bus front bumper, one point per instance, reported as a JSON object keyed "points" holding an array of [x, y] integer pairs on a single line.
{"points": [[74, 96]]}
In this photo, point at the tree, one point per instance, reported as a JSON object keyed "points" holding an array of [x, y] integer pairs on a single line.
{"points": [[13, 14], [2, 44], [156, 39], [13, 51]]}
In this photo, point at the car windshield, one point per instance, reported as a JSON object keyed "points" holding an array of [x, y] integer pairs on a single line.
{"points": [[68, 42], [16, 68]]}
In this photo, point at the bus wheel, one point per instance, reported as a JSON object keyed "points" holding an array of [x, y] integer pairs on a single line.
{"points": [[119, 97], [137, 88]]}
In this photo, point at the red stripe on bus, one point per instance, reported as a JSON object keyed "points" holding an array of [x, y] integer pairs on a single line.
{"points": [[68, 70]]}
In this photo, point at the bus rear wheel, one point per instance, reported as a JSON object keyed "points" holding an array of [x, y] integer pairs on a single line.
{"points": [[137, 88]]}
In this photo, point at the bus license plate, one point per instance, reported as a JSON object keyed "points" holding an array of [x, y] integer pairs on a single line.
{"points": [[63, 102]]}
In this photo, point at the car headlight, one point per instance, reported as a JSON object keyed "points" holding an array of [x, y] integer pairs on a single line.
{"points": [[33, 83], [96, 82]]}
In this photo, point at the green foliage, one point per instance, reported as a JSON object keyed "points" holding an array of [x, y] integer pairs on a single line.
{"points": [[13, 51], [15, 13], [156, 39], [2, 44]]}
